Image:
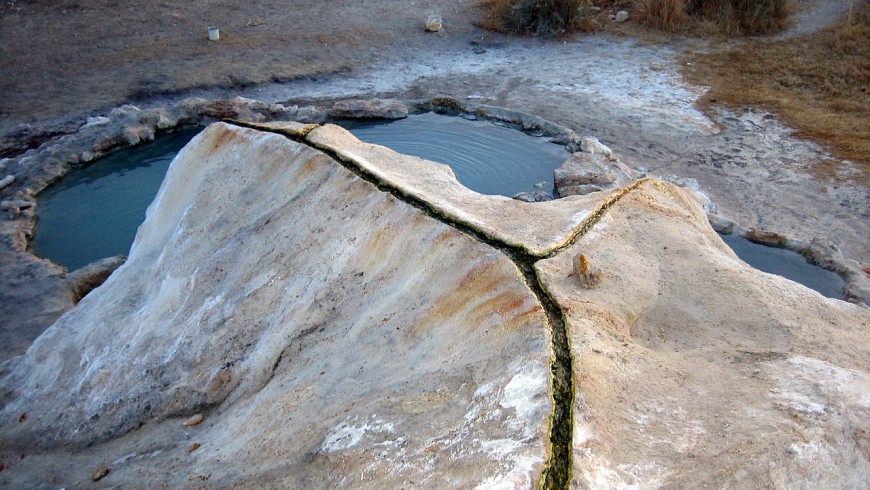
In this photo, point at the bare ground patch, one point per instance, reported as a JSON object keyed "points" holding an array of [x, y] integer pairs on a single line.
{"points": [[817, 83]]}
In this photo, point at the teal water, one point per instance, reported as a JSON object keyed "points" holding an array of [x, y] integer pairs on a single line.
{"points": [[788, 264], [485, 157], [94, 212]]}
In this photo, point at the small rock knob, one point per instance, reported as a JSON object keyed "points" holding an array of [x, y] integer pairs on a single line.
{"points": [[434, 23]]}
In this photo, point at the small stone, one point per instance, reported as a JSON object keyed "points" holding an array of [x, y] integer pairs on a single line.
{"points": [[193, 447], [195, 420], [97, 121], [16, 203], [588, 277], [7, 181], [434, 23], [621, 16], [768, 238], [590, 144], [533, 197], [87, 156], [100, 474], [22, 417]]}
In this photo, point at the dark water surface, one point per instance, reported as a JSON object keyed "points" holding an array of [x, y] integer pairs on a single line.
{"points": [[94, 212], [485, 157], [788, 264]]}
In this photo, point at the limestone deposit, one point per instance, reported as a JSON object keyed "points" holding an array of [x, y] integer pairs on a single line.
{"points": [[337, 315]]}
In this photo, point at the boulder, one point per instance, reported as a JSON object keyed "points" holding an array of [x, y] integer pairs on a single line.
{"points": [[368, 109], [583, 173]]}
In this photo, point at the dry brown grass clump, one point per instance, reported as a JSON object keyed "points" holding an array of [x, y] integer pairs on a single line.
{"points": [[536, 17], [554, 17], [817, 83], [732, 17], [666, 15]]}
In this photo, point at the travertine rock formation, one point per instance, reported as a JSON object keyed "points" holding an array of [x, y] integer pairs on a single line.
{"points": [[692, 369], [331, 334], [303, 310]]}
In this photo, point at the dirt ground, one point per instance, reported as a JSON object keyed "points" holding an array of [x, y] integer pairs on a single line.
{"points": [[64, 60]]}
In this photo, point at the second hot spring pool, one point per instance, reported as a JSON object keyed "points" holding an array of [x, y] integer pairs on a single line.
{"points": [[486, 157], [94, 212]]}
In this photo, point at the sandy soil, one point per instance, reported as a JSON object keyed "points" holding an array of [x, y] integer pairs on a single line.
{"points": [[66, 59]]}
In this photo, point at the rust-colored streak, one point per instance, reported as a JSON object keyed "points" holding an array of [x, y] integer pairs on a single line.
{"points": [[446, 235], [475, 284], [220, 140], [310, 166]]}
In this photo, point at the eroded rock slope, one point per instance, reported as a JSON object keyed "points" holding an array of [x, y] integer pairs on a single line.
{"points": [[330, 334]]}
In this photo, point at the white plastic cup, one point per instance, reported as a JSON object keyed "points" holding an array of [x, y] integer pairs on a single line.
{"points": [[214, 34]]}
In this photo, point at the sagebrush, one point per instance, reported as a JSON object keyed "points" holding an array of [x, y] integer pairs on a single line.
{"points": [[535, 17]]}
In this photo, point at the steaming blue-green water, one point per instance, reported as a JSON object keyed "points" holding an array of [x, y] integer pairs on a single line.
{"points": [[786, 263], [485, 157], [94, 212]]}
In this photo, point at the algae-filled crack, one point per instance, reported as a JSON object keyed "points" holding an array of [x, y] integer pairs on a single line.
{"points": [[557, 472]]}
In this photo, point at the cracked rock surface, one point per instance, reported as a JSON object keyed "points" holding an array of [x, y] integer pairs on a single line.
{"points": [[340, 315], [690, 366]]}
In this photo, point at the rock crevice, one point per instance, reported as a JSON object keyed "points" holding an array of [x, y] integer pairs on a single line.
{"points": [[557, 472]]}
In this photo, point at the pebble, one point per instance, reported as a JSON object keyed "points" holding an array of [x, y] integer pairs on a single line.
{"points": [[434, 23], [16, 203], [193, 447], [100, 473], [195, 420]]}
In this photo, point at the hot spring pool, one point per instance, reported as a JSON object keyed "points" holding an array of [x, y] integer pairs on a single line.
{"points": [[788, 264], [485, 157], [94, 212]]}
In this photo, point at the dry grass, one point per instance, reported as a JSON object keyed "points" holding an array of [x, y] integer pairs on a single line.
{"points": [[666, 15], [729, 17], [698, 17], [818, 83]]}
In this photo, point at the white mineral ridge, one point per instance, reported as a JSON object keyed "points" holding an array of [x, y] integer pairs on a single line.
{"points": [[331, 334]]}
